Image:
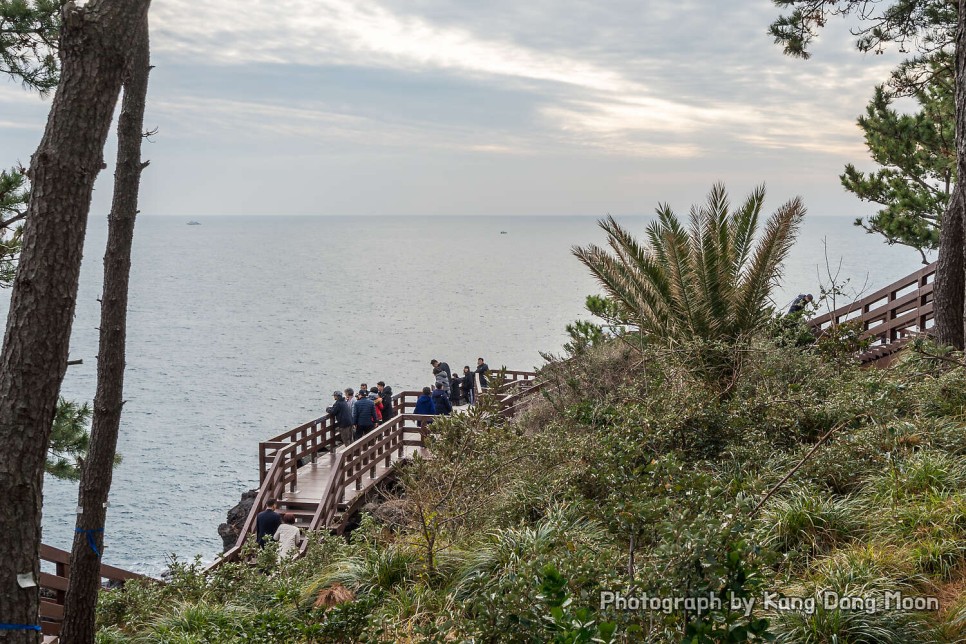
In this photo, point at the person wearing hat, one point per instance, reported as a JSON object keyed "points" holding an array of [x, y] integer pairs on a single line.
{"points": [[343, 416], [289, 537]]}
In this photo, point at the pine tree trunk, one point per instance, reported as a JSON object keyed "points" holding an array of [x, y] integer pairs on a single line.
{"points": [[94, 48], [96, 475], [950, 288]]}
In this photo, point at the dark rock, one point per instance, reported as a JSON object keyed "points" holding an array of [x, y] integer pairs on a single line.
{"points": [[236, 519], [395, 513]]}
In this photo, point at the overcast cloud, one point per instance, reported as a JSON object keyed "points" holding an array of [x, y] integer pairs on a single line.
{"points": [[458, 107]]}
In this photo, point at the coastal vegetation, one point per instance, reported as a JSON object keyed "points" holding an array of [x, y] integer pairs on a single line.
{"points": [[700, 447], [799, 482]]}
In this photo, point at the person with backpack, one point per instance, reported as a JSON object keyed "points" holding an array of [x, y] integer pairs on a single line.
{"points": [[441, 401]]}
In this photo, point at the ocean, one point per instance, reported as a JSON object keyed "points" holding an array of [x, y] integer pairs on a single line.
{"points": [[241, 327]]}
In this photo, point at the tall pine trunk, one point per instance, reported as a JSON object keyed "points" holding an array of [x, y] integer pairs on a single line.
{"points": [[950, 287], [95, 45], [96, 474]]}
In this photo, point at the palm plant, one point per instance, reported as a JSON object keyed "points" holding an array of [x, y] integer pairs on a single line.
{"points": [[709, 281]]}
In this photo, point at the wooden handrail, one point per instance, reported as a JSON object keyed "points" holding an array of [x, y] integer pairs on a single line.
{"points": [[280, 456], [55, 584], [890, 315], [364, 457]]}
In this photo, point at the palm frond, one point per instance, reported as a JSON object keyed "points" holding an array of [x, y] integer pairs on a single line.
{"points": [[708, 280]]}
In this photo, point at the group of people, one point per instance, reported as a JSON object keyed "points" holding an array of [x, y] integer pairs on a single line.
{"points": [[357, 414], [449, 390], [270, 525]]}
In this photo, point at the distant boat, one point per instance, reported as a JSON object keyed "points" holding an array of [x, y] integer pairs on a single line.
{"points": [[194, 223], [503, 232]]}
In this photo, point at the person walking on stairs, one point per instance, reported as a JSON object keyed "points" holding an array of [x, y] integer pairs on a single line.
{"points": [[289, 537], [267, 522]]}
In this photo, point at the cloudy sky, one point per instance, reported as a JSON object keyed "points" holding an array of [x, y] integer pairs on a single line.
{"points": [[345, 107]]}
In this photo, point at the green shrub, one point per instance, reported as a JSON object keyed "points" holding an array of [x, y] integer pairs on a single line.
{"points": [[922, 473], [810, 522]]}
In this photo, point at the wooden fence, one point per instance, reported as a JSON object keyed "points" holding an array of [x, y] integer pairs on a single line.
{"points": [[54, 586], [365, 462], [890, 316]]}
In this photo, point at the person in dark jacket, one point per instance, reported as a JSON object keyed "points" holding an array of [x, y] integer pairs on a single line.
{"points": [[466, 384], [343, 416], [267, 522], [385, 393], [442, 365], [363, 415], [424, 404], [441, 401], [483, 369], [456, 391], [800, 303]]}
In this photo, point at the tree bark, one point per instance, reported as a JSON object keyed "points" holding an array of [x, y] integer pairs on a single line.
{"points": [[950, 288], [95, 44], [97, 470]]}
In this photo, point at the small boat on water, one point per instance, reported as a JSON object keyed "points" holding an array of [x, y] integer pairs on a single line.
{"points": [[194, 223], [503, 232]]}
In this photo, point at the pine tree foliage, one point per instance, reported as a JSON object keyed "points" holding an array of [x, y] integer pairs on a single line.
{"points": [[923, 25], [13, 204], [68, 440], [917, 155], [28, 41], [708, 281]]}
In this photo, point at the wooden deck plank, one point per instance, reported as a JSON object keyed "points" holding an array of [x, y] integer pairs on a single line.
{"points": [[313, 477]]}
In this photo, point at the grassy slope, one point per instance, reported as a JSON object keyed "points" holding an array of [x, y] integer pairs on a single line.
{"points": [[634, 448]]}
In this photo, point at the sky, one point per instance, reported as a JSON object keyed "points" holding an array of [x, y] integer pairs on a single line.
{"points": [[460, 107]]}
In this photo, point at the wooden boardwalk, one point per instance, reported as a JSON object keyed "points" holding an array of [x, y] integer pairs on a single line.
{"points": [[54, 587], [323, 482], [890, 317]]}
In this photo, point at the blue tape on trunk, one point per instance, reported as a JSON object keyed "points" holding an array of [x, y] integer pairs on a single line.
{"points": [[90, 537]]}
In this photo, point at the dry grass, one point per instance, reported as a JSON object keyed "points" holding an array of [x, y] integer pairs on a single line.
{"points": [[333, 596]]}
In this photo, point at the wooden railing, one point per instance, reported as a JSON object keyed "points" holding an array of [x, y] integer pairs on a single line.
{"points": [[280, 457], [54, 586], [369, 457], [890, 316]]}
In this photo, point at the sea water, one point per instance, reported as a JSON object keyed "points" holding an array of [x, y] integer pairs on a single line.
{"points": [[241, 327]]}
